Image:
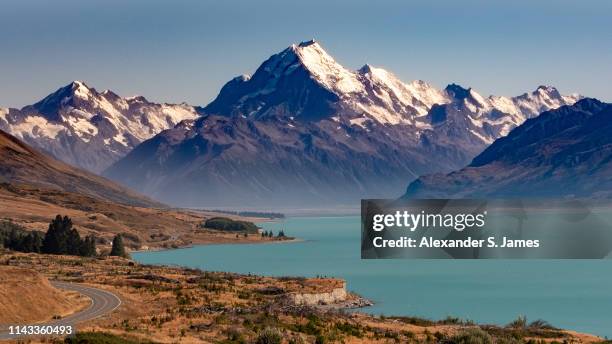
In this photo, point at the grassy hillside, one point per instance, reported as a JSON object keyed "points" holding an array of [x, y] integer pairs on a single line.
{"points": [[21, 164], [28, 297], [142, 227], [173, 304]]}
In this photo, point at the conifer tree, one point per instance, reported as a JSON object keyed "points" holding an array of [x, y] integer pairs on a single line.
{"points": [[88, 247], [32, 242], [73, 243], [118, 247], [57, 236]]}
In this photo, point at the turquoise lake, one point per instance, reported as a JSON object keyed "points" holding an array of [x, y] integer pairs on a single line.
{"points": [[572, 294]]}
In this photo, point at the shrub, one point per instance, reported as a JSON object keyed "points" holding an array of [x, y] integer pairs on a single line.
{"points": [[471, 336], [541, 324], [269, 336], [520, 322], [349, 329], [98, 338], [297, 340]]}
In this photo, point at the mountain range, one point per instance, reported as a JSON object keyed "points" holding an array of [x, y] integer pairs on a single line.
{"points": [[303, 130], [565, 152], [90, 129]]}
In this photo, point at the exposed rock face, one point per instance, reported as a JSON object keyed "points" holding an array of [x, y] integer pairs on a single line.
{"points": [[336, 295], [304, 131], [561, 153]]}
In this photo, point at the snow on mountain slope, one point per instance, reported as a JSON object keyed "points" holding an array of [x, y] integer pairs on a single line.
{"points": [[303, 130], [302, 126], [90, 129], [324, 68], [305, 82], [562, 153], [495, 116], [288, 82]]}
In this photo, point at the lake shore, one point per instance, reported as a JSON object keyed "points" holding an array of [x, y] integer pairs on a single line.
{"points": [[331, 248], [225, 240], [163, 303]]}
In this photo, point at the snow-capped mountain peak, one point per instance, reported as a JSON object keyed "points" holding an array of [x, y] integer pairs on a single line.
{"points": [[393, 95], [325, 69], [304, 70], [457, 91], [320, 65], [105, 124], [305, 82], [81, 90], [301, 85]]}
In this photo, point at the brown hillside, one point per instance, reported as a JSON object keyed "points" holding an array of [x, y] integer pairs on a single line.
{"points": [[142, 227], [21, 164], [27, 297]]}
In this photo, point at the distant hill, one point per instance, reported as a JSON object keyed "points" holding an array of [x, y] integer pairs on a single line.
{"points": [[21, 164], [561, 153]]}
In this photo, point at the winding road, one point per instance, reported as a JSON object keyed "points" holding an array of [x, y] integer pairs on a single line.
{"points": [[102, 303]]}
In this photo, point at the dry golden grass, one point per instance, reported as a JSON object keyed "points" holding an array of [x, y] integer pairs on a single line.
{"points": [[143, 228], [26, 296], [172, 304]]}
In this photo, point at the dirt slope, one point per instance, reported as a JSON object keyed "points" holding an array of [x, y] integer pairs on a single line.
{"points": [[27, 297]]}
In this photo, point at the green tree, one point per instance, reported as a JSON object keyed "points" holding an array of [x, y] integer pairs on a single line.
{"points": [[58, 236], [17, 238], [88, 246], [226, 224], [118, 247], [62, 238], [73, 243], [13, 239], [32, 242]]}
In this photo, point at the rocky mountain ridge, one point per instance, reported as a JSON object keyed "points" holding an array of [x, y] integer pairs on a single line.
{"points": [[304, 130], [90, 129]]}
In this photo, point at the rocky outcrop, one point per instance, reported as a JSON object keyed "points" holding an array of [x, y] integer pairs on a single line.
{"points": [[335, 295]]}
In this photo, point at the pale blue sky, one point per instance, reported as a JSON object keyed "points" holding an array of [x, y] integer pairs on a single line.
{"points": [[186, 50]]}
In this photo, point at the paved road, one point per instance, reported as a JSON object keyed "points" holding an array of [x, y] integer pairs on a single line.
{"points": [[102, 303]]}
